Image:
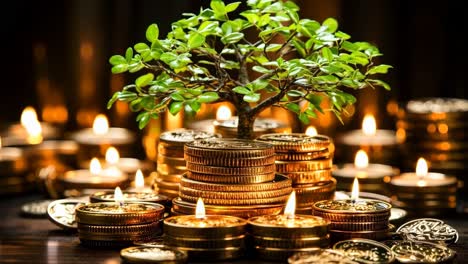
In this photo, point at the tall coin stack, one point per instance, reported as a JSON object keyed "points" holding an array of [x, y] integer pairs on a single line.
{"points": [[171, 163], [435, 129], [234, 177], [307, 161]]}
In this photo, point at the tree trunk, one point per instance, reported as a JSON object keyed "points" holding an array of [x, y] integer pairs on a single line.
{"points": [[245, 126]]}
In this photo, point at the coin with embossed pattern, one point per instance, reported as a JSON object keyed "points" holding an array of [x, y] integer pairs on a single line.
{"points": [[365, 251], [429, 230], [296, 142]]}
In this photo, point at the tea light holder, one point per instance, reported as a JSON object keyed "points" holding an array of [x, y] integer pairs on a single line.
{"points": [[117, 224], [132, 196], [355, 217], [381, 145], [206, 237], [372, 177], [277, 237], [95, 141], [424, 193]]}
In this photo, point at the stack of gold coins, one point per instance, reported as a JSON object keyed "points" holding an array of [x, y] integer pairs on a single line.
{"points": [[360, 218], [233, 176], [13, 171], [116, 225], [307, 160], [208, 237], [171, 163], [228, 128], [435, 129], [277, 237]]}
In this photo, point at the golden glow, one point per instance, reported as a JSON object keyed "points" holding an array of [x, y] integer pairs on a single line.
{"points": [[28, 116], [311, 131], [355, 191], [95, 166], [174, 121], [139, 180], [223, 113], [55, 114], [200, 209], [112, 156], [421, 168], [100, 125], [401, 135], [118, 196], [368, 125], [290, 207], [392, 107], [361, 160], [0, 142], [443, 128]]}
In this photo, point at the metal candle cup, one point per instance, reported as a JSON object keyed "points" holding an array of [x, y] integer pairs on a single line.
{"points": [[129, 196]]}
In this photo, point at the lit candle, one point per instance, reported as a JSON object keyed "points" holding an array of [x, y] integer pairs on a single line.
{"points": [[311, 131], [206, 237], [373, 177]]}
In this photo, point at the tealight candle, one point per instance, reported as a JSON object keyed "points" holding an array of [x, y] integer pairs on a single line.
{"points": [[373, 177], [280, 236], [423, 192], [131, 196], [95, 141], [223, 113], [380, 144], [118, 223], [138, 184], [206, 237]]}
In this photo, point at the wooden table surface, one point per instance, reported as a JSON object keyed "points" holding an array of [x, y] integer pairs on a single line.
{"points": [[30, 240]]}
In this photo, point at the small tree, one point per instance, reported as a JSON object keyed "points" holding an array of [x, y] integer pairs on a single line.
{"points": [[267, 56]]}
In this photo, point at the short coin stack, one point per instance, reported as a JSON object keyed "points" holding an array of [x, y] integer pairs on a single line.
{"points": [[113, 225], [307, 161], [171, 163], [228, 128], [234, 177], [356, 219]]}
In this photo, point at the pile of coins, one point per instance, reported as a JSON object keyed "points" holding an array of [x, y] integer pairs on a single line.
{"points": [[356, 219], [114, 225], [435, 128], [278, 237], [13, 171], [307, 161], [171, 163], [233, 177], [207, 239], [228, 128]]}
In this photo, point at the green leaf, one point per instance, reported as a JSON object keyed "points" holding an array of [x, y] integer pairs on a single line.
{"points": [[232, 6], [117, 59], [232, 37], [195, 40], [194, 105], [241, 90], [342, 35], [152, 33], [252, 97], [208, 27], [218, 7], [112, 100], [314, 99], [119, 68], [293, 107], [295, 93], [143, 119], [327, 54], [331, 24], [260, 69], [127, 96], [168, 57], [304, 118], [381, 83], [177, 97], [135, 105], [144, 80], [208, 97], [129, 54], [147, 102], [175, 107], [141, 47], [382, 68]]}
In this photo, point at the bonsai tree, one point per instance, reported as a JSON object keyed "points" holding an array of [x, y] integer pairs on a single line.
{"points": [[265, 56]]}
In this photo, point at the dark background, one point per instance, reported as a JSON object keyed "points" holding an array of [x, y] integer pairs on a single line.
{"points": [[56, 52]]}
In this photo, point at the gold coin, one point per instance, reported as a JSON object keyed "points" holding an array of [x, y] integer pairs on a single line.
{"points": [[338, 235], [213, 254], [308, 200], [235, 195], [317, 187], [62, 213], [231, 179], [165, 169], [357, 217], [277, 226], [169, 177], [279, 254], [225, 226], [359, 226], [228, 148], [179, 137], [120, 243], [168, 193], [236, 241], [110, 230], [309, 177], [171, 161], [280, 182], [302, 242], [167, 185], [303, 166], [211, 201], [229, 162], [154, 254], [230, 170], [304, 156], [296, 142]]}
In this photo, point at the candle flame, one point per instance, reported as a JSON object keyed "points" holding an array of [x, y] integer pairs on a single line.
{"points": [[355, 191], [139, 180], [223, 113], [361, 160], [369, 126], [421, 168], [28, 115], [112, 156], [95, 166], [311, 131], [290, 207], [100, 125], [118, 196], [200, 209]]}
